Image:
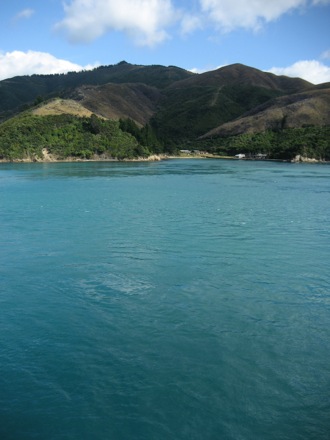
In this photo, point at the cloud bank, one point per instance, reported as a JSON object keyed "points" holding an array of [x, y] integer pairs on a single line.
{"points": [[145, 21], [310, 70], [148, 22], [18, 63], [228, 15]]}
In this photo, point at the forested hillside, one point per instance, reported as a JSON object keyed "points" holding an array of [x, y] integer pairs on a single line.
{"points": [[68, 136]]}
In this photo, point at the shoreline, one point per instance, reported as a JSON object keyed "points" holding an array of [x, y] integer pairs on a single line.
{"points": [[48, 158], [155, 158]]}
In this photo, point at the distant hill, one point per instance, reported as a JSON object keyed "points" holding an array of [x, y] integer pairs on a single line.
{"points": [[167, 108], [239, 75], [195, 105], [290, 111], [22, 90]]}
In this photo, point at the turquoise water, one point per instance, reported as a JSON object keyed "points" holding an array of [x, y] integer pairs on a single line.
{"points": [[183, 299]]}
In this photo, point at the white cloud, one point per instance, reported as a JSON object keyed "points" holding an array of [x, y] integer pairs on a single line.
{"points": [[326, 55], [25, 13], [27, 63], [228, 15], [143, 20], [204, 69], [190, 23], [197, 70], [310, 70], [148, 22]]}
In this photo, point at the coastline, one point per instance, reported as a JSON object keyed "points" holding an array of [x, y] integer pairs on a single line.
{"points": [[49, 158], [71, 159]]}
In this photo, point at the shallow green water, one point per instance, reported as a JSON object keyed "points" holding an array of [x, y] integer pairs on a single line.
{"points": [[172, 300]]}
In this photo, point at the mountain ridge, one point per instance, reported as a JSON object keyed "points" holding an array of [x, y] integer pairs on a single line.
{"points": [[22, 90], [238, 74]]}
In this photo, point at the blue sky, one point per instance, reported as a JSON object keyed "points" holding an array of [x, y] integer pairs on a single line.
{"points": [[289, 37]]}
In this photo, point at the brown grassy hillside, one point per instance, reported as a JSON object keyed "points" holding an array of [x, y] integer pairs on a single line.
{"points": [[292, 111], [115, 101], [62, 106]]}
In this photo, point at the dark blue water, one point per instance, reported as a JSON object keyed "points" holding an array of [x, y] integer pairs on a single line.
{"points": [[171, 300]]}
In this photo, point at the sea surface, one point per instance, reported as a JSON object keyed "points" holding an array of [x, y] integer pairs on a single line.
{"points": [[174, 300]]}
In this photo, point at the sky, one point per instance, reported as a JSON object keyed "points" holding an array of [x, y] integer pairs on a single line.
{"points": [[286, 37]]}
